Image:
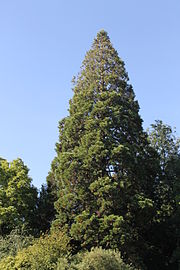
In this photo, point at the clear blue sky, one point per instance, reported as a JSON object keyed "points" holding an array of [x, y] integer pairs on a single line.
{"points": [[42, 45]]}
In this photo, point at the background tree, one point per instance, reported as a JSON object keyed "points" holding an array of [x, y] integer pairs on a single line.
{"points": [[46, 199], [105, 168], [18, 198], [163, 138], [166, 232], [45, 208]]}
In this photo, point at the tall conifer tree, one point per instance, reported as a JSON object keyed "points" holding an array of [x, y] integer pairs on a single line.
{"points": [[104, 168]]}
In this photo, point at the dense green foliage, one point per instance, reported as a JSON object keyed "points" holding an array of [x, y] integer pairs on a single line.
{"points": [[14, 242], [45, 208], [115, 188], [21, 207], [18, 197], [51, 253], [43, 254], [96, 259], [165, 232], [104, 167]]}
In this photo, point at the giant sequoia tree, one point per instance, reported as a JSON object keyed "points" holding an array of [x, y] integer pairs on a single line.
{"points": [[104, 169]]}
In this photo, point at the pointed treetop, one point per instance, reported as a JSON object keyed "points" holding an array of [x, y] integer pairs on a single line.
{"points": [[101, 63], [102, 32]]}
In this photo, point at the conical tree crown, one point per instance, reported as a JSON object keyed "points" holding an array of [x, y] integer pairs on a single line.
{"points": [[102, 152], [104, 117]]}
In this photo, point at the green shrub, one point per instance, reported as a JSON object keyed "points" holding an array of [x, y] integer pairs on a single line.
{"points": [[7, 263], [51, 252], [99, 259], [64, 264], [43, 254], [12, 243], [96, 259]]}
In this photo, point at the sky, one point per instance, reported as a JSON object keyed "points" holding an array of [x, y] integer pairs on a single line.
{"points": [[42, 46]]}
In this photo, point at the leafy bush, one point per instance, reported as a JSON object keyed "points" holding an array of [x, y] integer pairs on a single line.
{"points": [[14, 242], [43, 254], [52, 252], [96, 259], [7, 263], [99, 259]]}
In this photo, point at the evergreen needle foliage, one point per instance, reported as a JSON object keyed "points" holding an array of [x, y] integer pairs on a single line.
{"points": [[116, 189], [104, 168]]}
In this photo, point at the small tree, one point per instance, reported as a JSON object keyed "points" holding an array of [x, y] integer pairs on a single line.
{"points": [[18, 198]]}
